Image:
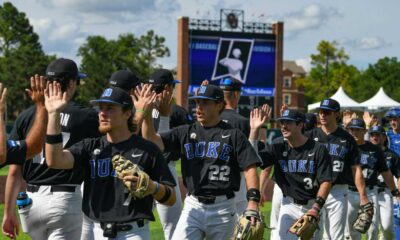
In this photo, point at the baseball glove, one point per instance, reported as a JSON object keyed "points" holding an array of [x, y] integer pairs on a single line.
{"points": [[306, 225], [244, 230], [364, 218], [123, 167]]}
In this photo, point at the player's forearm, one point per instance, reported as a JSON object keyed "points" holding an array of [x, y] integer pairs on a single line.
{"points": [[254, 132], [324, 189], [164, 196], [360, 184], [36, 136], [3, 140], [388, 178], [138, 120], [13, 186], [149, 133], [251, 177]]}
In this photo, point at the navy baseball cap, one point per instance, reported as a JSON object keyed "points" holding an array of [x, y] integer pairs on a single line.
{"points": [[357, 123], [229, 84], [114, 95], [124, 79], [62, 67], [377, 129], [292, 115], [393, 112], [210, 92], [329, 104], [162, 77]]}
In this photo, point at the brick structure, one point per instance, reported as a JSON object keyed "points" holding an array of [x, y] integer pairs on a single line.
{"points": [[292, 95]]}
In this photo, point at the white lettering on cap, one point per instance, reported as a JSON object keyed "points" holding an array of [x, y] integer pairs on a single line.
{"points": [[107, 92]]}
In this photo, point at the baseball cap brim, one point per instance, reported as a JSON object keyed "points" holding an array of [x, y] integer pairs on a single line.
{"points": [[286, 118], [97, 101], [375, 131], [203, 97], [82, 75], [176, 81], [327, 108], [357, 127]]}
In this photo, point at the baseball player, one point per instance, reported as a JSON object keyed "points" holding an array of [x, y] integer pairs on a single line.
{"points": [[115, 213], [168, 115], [15, 152], [384, 203], [393, 134], [344, 154], [302, 169], [60, 188], [212, 155], [232, 91], [372, 162]]}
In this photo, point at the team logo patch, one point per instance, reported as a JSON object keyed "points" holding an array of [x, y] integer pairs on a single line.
{"points": [[285, 113], [202, 89], [107, 92], [316, 139], [96, 152], [193, 136], [284, 154], [325, 103]]}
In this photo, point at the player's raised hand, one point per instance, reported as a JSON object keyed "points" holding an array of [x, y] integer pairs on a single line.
{"points": [[3, 99], [164, 102], [144, 99], [38, 86], [55, 99], [347, 116], [258, 118]]}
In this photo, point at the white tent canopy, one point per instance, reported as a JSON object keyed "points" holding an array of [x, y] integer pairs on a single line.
{"points": [[380, 101], [344, 100]]}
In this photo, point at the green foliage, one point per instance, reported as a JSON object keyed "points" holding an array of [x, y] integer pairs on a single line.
{"points": [[102, 57], [21, 56], [329, 71]]}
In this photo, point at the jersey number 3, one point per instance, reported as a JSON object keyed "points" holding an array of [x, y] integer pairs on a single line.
{"points": [[219, 173]]}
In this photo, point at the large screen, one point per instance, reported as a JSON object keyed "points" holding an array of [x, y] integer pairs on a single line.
{"points": [[246, 57]]}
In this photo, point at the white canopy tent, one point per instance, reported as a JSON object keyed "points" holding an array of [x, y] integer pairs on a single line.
{"points": [[344, 100], [380, 101]]}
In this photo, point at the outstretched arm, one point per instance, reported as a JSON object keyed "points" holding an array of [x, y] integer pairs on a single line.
{"points": [[55, 101]]}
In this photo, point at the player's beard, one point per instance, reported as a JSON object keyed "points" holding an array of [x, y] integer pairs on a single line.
{"points": [[104, 129]]}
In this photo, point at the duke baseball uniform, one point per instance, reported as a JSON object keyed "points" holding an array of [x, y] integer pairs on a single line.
{"points": [[394, 141], [16, 153], [211, 158], [343, 150], [56, 195], [372, 162], [298, 172], [105, 199]]}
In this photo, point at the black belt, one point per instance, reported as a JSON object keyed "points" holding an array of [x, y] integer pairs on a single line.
{"points": [[55, 188], [210, 199], [354, 189], [110, 229], [381, 189], [300, 202]]}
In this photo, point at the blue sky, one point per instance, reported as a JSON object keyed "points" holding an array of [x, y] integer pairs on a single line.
{"points": [[368, 30]]}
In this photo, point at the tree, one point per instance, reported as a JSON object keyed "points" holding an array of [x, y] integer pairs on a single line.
{"points": [[329, 71], [102, 57], [384, 73], [21, 56]]}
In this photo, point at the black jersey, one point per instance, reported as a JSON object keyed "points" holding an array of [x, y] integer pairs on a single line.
{"points": [[104, 196], [236, 120], [212, 157], [393, 163], [16, 152], [77, 123], [298, 171], [372, 161], [343, 150], [179, 116]]}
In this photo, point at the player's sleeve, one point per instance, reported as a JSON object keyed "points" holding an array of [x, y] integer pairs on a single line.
{"points": [[245, 125], [396, 165], [246, 156], [171, 139], [16, 152], [354, 153], [267, 155], [81, 151], [20, 127], [381, 164], [160, 171], [180, 117], [324, 165]]}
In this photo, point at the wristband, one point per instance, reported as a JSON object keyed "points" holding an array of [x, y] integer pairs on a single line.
{"points": [[157, 188], [253, 194], [320, 201], [395, 193], [167, 194], [140, 110], [54, 139]]}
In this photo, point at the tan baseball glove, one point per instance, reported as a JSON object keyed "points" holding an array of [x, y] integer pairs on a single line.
{"points": [[364, 218], [305, 226], [123, 167], [244, 230]]}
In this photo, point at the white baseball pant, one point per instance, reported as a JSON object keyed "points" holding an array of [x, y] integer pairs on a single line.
{"points": [[169, 216], [54, 215], [385, 215], [275, 207], [352, 213], [206, 221]]}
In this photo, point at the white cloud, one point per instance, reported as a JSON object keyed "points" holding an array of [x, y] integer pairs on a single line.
{"points": [[64, 32], [365, 43], [41, 25], [313, 16], [305, 63]]}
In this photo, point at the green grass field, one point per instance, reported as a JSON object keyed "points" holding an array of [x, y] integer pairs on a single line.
{"points": [[155, 227]]}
